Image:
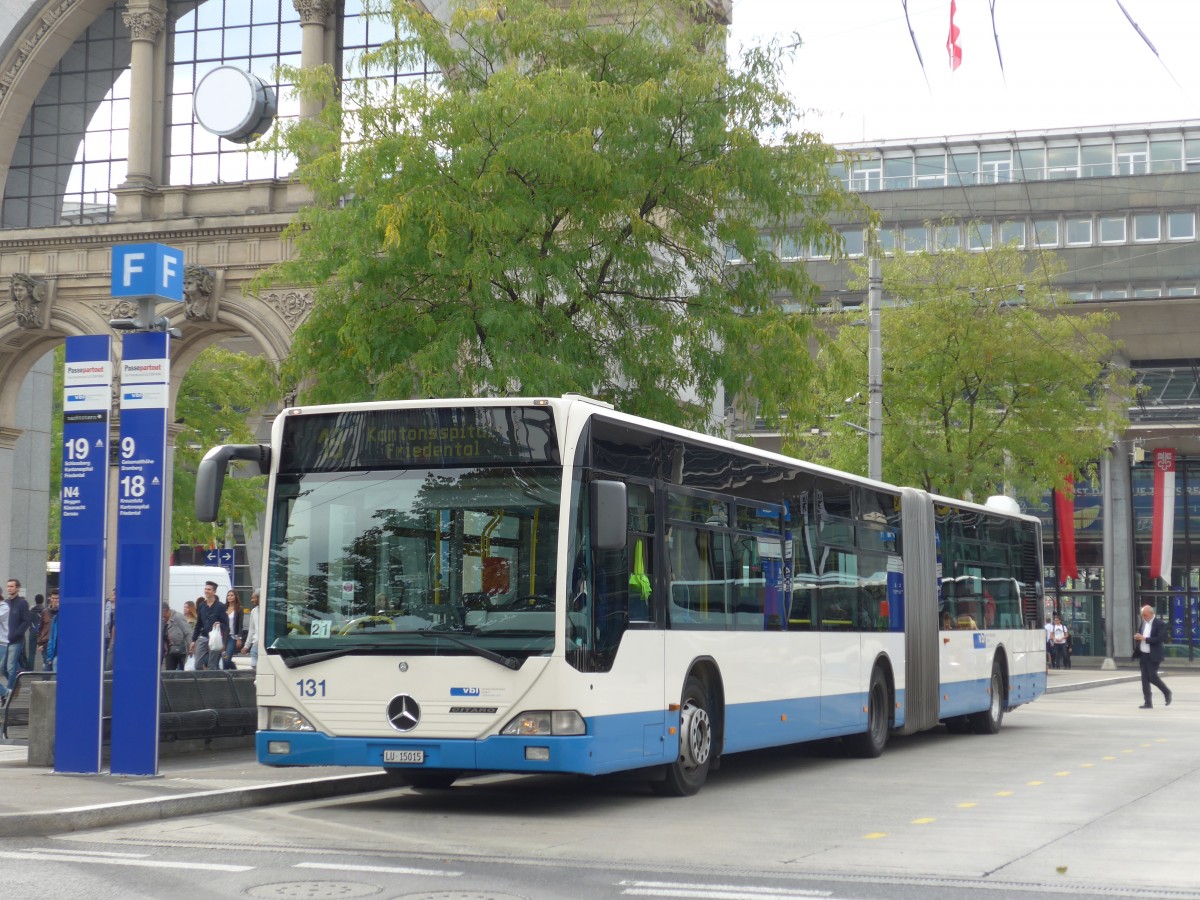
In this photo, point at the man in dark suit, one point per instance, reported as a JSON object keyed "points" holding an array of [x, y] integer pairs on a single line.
{"points": [[1148, 651]]}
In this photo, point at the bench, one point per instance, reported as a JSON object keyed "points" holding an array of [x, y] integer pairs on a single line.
{"points": [[191, 705]]}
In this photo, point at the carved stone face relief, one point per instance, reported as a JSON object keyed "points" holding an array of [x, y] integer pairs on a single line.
{"points": [[29, 295], [198, 283]]}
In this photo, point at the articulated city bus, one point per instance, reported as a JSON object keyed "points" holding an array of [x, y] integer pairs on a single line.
{"points": [[548, 585]]}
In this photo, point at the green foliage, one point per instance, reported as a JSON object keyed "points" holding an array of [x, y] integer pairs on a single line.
{"points": [[551, 214], [221, 388], [984, 383]]}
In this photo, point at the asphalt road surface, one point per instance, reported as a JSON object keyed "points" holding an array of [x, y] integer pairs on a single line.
{"points": [[1081, 795]]}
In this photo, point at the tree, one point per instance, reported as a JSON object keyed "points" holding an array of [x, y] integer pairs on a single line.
{"points": [[219, 391], [551, 213], [989, 379]]}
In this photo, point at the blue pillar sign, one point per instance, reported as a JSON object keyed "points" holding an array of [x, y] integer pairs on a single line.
{"points": [[141, 509], [87, 400]]}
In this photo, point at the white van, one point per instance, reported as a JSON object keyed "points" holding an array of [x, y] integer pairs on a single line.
{"points": [[187, 583]]}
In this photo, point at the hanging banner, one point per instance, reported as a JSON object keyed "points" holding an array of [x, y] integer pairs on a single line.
{"points": [[141, 551], [1162, 535], [87, 399]]}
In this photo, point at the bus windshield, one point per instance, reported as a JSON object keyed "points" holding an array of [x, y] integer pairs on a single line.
{"points": [[415, 561]]}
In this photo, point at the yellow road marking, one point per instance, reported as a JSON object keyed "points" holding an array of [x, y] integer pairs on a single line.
{"points": [[1061, 774], [1034, 783], [967, 805], [1109, 758], [1086, 765], [874, 835], [1004, 793], [925, 821]]}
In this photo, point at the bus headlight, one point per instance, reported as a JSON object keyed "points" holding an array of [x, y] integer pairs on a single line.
{"points": [[282, 718], [546, 721]]}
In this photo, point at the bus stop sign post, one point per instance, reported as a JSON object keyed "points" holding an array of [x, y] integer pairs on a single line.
{"points": [[87, 399], [148, 272]]}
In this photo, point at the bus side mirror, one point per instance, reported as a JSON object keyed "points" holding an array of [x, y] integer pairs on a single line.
{"points": [[610, 515], [210, 475]]}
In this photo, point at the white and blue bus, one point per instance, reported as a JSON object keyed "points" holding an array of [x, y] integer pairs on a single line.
{"points": [[548, 585]]}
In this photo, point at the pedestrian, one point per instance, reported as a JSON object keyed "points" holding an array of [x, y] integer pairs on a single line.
{"points": [[175, 639], [15, 612], [48, 633], [31, 636], [1059, 635], [211, 630], [1051, 662], [1148, 651], [252, 630], [233, 644], [189, 611], [110, 616]]}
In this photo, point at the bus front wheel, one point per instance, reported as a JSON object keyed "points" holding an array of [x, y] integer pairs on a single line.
{"points": [[686, 775]]}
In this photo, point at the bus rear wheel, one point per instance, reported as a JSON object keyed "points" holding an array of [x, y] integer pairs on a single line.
{"points": [[871, 742], [686, 775], [424, 779], [989, 721]]}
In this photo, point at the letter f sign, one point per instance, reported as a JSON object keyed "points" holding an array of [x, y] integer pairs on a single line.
{"points": [[130, 267]]}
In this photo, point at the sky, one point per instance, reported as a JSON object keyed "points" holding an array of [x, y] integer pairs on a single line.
{"points": [[1067, 63]]}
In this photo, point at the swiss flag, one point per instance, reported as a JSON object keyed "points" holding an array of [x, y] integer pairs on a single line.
{"points": [[1162, 535], [1064, 508]]}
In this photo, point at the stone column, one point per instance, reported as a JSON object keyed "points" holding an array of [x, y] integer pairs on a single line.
{"points": [[145, 23], [8, 444], [1118, 570], [313, 16]]}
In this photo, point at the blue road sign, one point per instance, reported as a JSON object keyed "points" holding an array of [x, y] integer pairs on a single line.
{"points": [[147, 270], [223, 557], [141, 519], [87, 399]]}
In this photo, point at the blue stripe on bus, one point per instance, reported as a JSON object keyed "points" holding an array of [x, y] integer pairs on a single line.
{"points": [[633, 740]]}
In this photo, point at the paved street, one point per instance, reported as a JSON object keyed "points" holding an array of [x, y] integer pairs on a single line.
{"points": [[1081, 794]]}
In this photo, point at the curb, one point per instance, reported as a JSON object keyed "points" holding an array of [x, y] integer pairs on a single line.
{"points": [[1084, 685], [82, 818]]}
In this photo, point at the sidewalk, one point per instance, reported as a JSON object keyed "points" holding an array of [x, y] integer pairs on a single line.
{"points": [[36, 801]]}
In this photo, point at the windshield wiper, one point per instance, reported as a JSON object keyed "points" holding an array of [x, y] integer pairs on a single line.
{"points": [[294, 662]]}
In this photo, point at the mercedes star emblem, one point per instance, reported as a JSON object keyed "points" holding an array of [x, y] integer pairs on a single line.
{"points": [[403, 712]]}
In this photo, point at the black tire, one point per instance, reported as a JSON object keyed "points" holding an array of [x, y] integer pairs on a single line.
{"points": [[871, 742], [990, 720], [686, 775], [424, 779]]}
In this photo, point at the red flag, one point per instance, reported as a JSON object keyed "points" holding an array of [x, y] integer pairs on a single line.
{"points": [[952, 48], [1064, 505], [1162, 535]]}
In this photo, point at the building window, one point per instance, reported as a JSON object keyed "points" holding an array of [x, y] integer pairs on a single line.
{"points": [[1045, 232], [995, 167], [979, 235], [1112, 230], [790, 246], [1181, 226], [73, 147], [253, 35], [1181, 290], [1097, 160], [1079, 232], [1147, 292], [1031, 164], [865, 175], [915, 238], [1114, 294], [897, 173], [1166, 155], [1132, 158], [887, 241], [1062, 162], [1012, 233], [931, 170], [947, 237], [852, 241], [963, 168], [1146, 227], [1082, 295]]}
